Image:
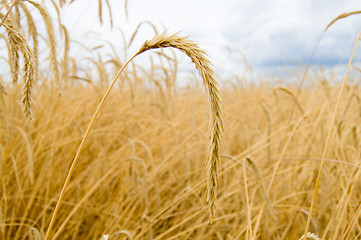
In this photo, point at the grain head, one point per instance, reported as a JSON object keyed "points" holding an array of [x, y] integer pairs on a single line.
{"points": [[203, 65], [18, 44]]}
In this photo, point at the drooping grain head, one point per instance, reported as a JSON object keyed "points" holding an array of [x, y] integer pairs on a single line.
{"points": [[203, 65], [18, 44], [32, 30], [341, 16]]}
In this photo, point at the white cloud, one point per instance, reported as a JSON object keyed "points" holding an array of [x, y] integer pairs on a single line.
{"points": [[266, 32], [288, 28]]}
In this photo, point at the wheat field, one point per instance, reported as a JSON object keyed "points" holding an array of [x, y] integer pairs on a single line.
{"points": [[126, 154]]}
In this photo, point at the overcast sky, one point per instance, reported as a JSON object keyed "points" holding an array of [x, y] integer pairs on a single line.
{"points": [[266, 33]]}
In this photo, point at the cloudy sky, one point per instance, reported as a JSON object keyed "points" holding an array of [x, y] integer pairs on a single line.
{"points": [[265, 33]]}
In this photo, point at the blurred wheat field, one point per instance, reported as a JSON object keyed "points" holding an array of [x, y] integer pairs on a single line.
{"points": [[142, 172]]}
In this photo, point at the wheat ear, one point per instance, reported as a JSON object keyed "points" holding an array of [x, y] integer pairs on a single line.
{"points": [[34, 35], [341, 16], [65, 63], [203, 65], [17, 44], [51, 39]]}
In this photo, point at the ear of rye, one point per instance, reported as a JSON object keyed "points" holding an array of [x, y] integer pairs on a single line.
{"points": [[203, 65], [18, 44]]}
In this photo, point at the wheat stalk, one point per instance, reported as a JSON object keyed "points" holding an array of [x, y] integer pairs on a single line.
{"points": [[13, 53], [203, 65], [254, 167], [289, 92], [57, 10], [100, 12], [318, 179], [52, 42], [8, 11], [137, 30]]}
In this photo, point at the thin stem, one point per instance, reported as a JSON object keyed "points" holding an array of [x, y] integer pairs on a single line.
{"points": [[328, 139], [70, 172]]}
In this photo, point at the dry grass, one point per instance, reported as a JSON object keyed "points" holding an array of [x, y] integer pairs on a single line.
{"points": [[134, 149], [325, 150], [140, 172], [198, 57]]}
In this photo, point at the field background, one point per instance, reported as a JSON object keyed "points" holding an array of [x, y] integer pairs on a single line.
{"points": [[142, 171]]}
